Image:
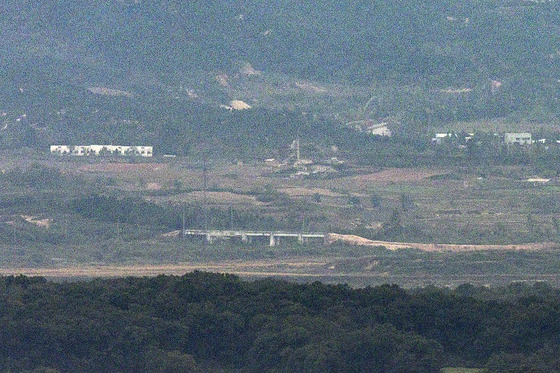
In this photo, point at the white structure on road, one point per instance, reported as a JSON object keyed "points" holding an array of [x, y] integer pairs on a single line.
{"points": [[273, 238], [121, 150]]}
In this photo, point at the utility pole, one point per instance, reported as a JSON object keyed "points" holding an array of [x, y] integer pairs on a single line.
{"points": [[204, 200], [183, 214]]}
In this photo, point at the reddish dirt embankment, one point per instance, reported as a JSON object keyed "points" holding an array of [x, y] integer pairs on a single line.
{"points": [[434, 247]]}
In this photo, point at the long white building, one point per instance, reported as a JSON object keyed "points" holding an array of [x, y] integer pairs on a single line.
{"points": [[121, 150], [523, 138]]}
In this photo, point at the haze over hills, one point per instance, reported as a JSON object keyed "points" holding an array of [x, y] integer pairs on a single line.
{"points": [[360, 41], [423, 63], [334, 141]]}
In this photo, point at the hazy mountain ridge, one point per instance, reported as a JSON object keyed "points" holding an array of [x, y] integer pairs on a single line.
{"points": [[358, 40], [421, 62]]}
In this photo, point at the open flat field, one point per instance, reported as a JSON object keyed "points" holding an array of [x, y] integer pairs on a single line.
{"points": [[462, 206], [462, 370], [406, 269], [450, 213], [395, 175]]}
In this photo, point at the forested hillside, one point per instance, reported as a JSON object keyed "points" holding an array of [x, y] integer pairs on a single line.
{"points": [[202, 322], [422, 63], [356, 40]]}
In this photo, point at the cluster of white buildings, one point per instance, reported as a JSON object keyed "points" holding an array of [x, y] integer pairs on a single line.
{"points": [[377, 129], [120, 150], [510, 138], [520, 138]]}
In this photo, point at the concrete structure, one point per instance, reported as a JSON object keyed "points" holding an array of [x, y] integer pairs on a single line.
{"points": [[273, 238], [538, 180], [121, 150], [522, 138], [334, 161], [441, 137], [379, 130], [60, 149]]}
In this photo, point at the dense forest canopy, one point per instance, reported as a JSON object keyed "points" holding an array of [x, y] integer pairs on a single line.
{"points": [[358, 40], [202, 320]]}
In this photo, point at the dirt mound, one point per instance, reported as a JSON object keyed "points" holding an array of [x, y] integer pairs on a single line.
{"points": [[44, 223], [239, 105]]}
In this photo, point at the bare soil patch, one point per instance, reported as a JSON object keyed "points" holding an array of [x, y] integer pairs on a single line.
{"points": [[310, 88], [398, 175], [43, 223], [258, 268], [123, 167], [304, 192], [109, 92], [211, 197]]}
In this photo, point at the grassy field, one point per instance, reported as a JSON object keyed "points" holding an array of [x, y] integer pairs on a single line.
{"points": [[439, 205], [469, 206], [462, 370]]}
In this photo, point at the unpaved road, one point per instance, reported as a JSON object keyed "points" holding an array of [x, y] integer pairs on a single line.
{"points": [[435, 247]]}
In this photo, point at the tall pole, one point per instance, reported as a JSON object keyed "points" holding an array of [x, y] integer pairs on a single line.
{"points": [[204, 200], [183, 214]]}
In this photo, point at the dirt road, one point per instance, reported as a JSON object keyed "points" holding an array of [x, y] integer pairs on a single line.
{"points": [[434, 247]]}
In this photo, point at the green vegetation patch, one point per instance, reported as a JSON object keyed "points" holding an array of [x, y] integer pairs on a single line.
{"points": [[184, 323]]}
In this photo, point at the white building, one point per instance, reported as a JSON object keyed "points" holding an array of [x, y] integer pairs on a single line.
{"points": [[60, 149], [121, 150], [440, 137], [379, 131], [523, 138]]}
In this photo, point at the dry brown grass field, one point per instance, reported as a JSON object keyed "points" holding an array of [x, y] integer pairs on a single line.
{"points": [[456, 215], [445, 205]]}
